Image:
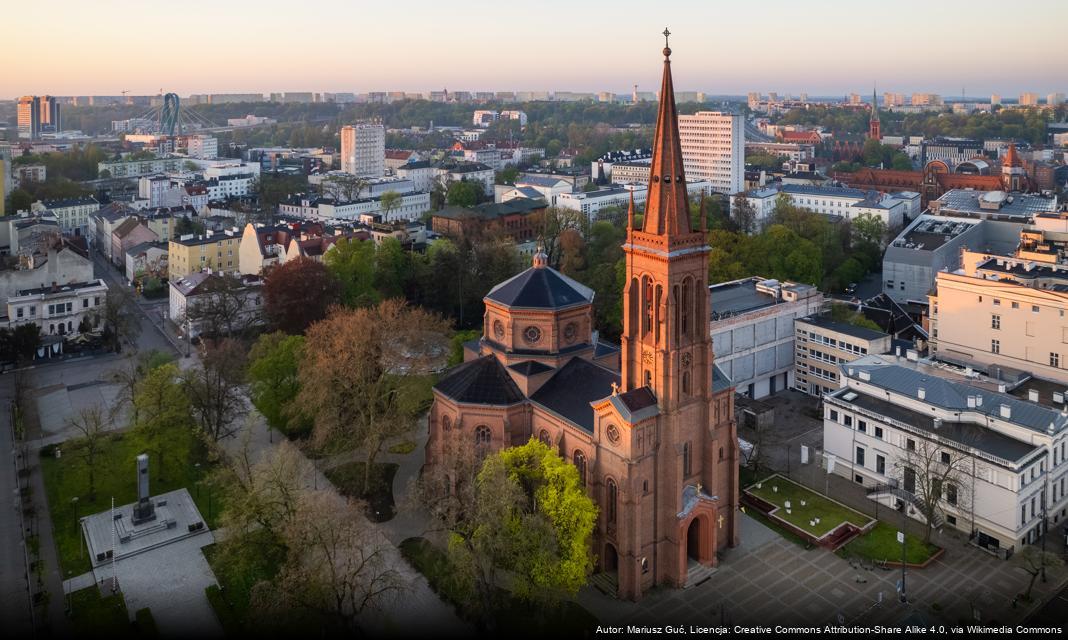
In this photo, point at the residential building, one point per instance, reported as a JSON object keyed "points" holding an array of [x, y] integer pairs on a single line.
{"points": [[262, 247], [215, 251], [71, 213], [469, 171], [363, 149], [548, 186], [792, 151], [58, 309], [397, 158], [25, 173], [752, 331], [126, 168], [912, 432], [541, 371], [821, 344], [54, 259], [103, 222], [519, 219], [951, 151], [129, 233], [713, 149], [631, 171], [421, 173], [1028, 99], [410, 206], [840, 203], [1005, 312], [146, 259], [192, 290], [24, 234], [200, 146], [1055, 99], [927, 100]]}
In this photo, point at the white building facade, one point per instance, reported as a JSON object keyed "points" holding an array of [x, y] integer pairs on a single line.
{"points": [[363, 149], [713, 149]]}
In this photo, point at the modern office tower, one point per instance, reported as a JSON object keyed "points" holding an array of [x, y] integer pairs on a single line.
{"points": [[713, 149], [363, 149], [37, 115]]}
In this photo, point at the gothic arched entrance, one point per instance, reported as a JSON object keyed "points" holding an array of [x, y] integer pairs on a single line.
{"points": [[611, 558], [693, 540]]}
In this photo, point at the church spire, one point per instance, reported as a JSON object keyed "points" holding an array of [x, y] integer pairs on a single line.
{"points": [[874, 105], [667, 211]]}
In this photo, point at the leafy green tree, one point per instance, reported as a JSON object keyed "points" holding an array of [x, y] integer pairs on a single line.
{"points": [[19, 200], [507, 175], [463, 194], [869, 229], [456, 345], [390, 200], [845, 313], [391, 269], [273, 377], [352, 263], [532, 518], [161, 406]]}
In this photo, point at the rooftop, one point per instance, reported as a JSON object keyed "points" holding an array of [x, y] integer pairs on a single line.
{"points": [[931, 232], [540, 288], [480, 381], [1000, 203], [863, 333], [827, 192], [570, 392]]}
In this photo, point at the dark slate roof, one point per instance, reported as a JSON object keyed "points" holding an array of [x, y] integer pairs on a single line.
{"points": [[604, 349], [720, 381], [480, 381], [540, 288], [530, 368], [570, 392], [862, 333], [639, 398]]}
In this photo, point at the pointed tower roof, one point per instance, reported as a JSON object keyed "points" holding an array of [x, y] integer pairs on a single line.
{"points": [[874, 106], [667, 211], [1011, 158]]}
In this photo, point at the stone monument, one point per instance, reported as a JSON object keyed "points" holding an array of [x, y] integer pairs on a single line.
{"points": [[144, 510]]}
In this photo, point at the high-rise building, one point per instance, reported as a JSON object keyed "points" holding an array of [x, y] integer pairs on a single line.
{"points": [[713, 148], [363, 149], [893, 100], [927, 100], [995, 98], [1055, 99], [1028, 99], [37, 115]]}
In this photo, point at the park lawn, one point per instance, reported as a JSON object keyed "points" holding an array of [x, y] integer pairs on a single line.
{"points": [[67, 477], [831, 514], [348, 478], [515, 618], [98, 616], [881, 544]]}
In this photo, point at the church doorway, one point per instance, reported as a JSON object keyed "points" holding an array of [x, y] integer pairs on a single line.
{"points": [[693, 540], [611, 558]]}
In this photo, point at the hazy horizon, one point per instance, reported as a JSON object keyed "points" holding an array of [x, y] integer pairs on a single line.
{"points": [[823, 48]]}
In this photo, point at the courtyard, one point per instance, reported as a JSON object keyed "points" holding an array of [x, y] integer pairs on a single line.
{"points": [[803, 508]]}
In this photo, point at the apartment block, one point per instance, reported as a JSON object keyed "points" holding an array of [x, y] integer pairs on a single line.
{"points": [[822, 344]]}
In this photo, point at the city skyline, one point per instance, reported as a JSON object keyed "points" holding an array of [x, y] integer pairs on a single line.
{"points": [[801, 50]]}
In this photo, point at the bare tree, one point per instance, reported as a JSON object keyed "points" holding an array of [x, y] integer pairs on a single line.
{"points": [[91, 424], [344, 187], [214, 388], [225, 308], [129, 376], [557, 222], [932, 472], [363, 362], [1034, 562], [744, 213], [338, 565]]}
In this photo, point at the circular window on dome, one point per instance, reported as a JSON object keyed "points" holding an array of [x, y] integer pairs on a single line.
{"points": [[532, 334], [613, 433], [498, 329], [570, 332]]}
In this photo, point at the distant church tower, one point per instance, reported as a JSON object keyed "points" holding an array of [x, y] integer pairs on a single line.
{"points": [[873, 124]]}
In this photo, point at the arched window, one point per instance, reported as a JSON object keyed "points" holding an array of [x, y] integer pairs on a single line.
{"points": [[687, 465], [686, 382], [659, 296], [647, 305], [687, 306], [634, 305], [482, 436], [675, 297], [649, 379], [446, 423], [611, 494], [545, 439], [721, 453], [580, 465]]}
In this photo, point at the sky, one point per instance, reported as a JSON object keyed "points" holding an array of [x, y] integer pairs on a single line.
{"points": [[822, 47]]}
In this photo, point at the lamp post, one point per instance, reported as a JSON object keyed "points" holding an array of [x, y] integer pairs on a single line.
{"points": [[904, 516]]}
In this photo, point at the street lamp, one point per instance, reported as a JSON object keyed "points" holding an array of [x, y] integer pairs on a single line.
{"points": [[901, 538]]}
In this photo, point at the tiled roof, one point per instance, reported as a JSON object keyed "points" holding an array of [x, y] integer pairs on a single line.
{"points": [[540, 288], [570, 392], [480, 381]]}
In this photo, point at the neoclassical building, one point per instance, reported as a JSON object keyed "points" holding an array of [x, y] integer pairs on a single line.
{"points": [[649, 424]]}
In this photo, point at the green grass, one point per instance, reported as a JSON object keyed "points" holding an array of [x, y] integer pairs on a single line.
{"points": [[67, 477], [96, 615], [831, 514], [881, 544], [513, 617], [348, 478], [403, 448]]}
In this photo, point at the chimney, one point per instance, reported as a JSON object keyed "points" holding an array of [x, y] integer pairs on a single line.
{"points": [[921, 393], [1032, 395], [1001, 387], [1006, 411], [971, 402]]}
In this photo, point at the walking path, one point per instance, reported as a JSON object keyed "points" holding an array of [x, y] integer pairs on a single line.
{"points": [[419, 610]]}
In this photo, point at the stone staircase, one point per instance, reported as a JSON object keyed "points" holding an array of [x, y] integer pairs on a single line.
{"points": [[606, 582], [696, 573]]}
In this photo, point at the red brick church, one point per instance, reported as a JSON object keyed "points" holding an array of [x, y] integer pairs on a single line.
{"points": [[649, 424]]}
